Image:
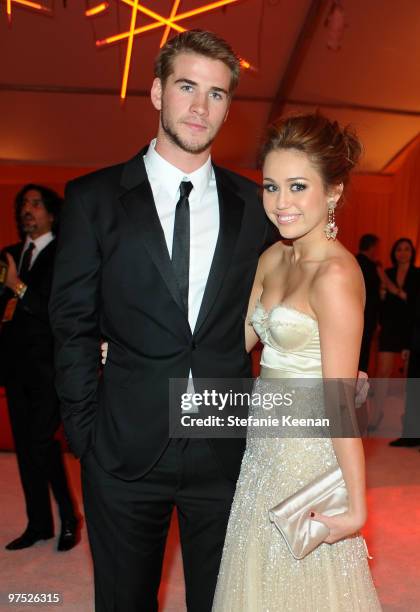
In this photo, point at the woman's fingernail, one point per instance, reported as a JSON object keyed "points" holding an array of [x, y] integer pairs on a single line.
{"points": [[312, 514]]}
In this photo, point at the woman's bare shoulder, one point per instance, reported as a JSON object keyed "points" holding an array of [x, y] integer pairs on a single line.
{"points": [[340, 264], [339, 272]]}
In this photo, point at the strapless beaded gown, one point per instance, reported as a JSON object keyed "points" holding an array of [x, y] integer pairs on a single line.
{"points": [[258, 572]]}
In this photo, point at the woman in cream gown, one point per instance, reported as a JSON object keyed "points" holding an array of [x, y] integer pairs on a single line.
{"points": [[307, 308]]}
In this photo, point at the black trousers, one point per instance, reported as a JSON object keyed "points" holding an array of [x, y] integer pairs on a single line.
{"points": [[34, 417], [368, 333], [128, 523]]}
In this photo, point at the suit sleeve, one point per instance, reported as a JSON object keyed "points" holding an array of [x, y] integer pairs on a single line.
{"points": [[74, 316]]}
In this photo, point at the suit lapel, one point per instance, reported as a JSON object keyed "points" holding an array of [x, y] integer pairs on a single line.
{"points": [[137, 200], [16, 252], [43, 255], [231, 211]]}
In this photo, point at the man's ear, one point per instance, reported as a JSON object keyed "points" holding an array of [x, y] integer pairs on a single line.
{"points": [[227, 114], [156, 94]]}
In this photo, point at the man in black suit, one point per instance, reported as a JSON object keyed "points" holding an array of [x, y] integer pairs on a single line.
{"points": [[367, 258], [28, 368], [157, 256], [411, 419]]}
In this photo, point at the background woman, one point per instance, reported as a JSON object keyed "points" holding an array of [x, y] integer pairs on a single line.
{"points": [[396, 312]]}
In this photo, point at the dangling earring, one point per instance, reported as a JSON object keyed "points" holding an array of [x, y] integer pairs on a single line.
{"points": [[331, 229]]}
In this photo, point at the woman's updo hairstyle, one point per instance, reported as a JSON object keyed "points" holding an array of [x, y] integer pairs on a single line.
{"points": [[334, 151]]}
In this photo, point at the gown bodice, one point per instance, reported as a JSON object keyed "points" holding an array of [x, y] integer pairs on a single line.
{"points": [[291, 341]]}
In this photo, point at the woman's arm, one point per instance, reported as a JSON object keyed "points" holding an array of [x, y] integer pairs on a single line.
{"points": [[338, 301], [389, 285]]}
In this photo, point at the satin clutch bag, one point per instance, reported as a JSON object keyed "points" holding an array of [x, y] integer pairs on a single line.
{"points": [[327, 494]]}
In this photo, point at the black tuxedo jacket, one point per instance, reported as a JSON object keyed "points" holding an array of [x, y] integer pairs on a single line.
{"points": [[113, 279], [27, 340], [415, 313], [372, 286]]}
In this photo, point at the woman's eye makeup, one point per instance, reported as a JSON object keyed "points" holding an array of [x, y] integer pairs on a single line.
{"points": [[297, 186], [270, 187]]}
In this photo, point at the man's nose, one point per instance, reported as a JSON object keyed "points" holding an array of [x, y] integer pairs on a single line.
{"points": [[27, 208], [200, 104]]}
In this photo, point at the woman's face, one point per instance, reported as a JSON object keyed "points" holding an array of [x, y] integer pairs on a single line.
{"points": [[403, 253], [294, 196]]}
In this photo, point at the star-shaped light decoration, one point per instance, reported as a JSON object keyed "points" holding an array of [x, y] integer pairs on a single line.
{"points": [[28, 4], [159, 21]]}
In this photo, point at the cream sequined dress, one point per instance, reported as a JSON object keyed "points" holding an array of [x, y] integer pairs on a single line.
{"points": [[258, 572]]}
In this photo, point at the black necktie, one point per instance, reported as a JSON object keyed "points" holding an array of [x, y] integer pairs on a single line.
{"points": [[26, 262], [181, 241]]}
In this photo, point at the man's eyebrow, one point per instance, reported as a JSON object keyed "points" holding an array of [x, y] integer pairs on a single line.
{"points": [[186, 81], [219, 89], [213, 88]]}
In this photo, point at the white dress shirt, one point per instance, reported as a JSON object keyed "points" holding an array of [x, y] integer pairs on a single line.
{"points": [[164, 180], [40, 243]]}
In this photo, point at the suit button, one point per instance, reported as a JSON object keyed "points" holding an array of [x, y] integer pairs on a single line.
{"points": [[193, 345]]}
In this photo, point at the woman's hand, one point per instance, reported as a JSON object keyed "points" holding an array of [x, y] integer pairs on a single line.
{"points": [[104, 352], [340, 526], [390, 286], [12, 278], [362, 388], [405, 355]]}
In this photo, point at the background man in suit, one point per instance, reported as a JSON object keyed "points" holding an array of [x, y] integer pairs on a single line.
{"points": [[28, 362], [411, 419], [157, 256], [368, 262]]}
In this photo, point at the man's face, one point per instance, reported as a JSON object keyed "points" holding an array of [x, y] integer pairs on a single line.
{"points": [[35, 218], [193, 103], [373, 252]]}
